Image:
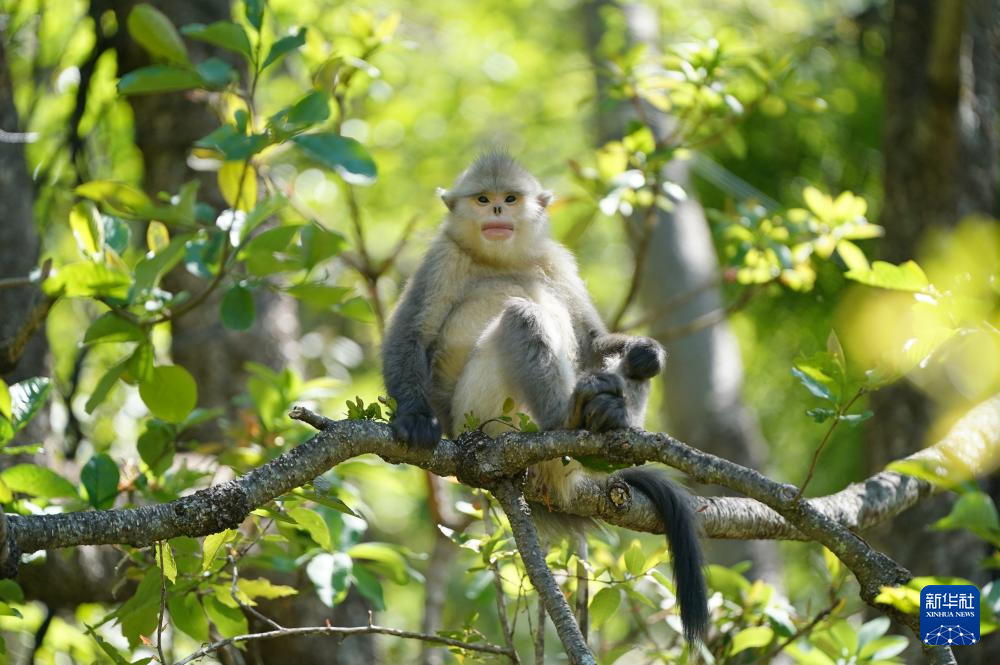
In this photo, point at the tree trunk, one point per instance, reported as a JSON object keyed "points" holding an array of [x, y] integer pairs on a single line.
{"points": [[18, 240], [703, 378], [940, 165]]}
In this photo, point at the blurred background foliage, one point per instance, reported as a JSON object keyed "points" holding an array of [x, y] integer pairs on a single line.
{"points": [[777, 107]]}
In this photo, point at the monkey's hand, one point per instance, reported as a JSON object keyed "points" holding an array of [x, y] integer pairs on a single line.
{"points": [[644, 359], [598, 403], [416, 427]]}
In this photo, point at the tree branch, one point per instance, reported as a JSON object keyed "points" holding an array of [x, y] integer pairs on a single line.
{"points": [[526, 536], [342, 632], [969, 450]]}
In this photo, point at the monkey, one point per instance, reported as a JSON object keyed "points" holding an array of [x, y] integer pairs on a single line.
{"points": [[497, 310]]}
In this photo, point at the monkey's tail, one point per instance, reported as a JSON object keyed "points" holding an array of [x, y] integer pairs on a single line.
{"points": [[682, 538]]}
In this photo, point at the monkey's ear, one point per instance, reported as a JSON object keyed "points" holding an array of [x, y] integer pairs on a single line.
{"points": [[545, 198], [448, 199]]}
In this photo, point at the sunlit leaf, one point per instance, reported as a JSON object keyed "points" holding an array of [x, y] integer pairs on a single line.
{"points": [[312, 522], [905, 277], [109, 327], [230, 621], [158, 78], [165, 560], [152, 30], [171, 394], [85, 221], [87, 280], [35, 480], [226, 34], [604, 604], [238, 184], [26, 398], [751, 638], [283, 46]]}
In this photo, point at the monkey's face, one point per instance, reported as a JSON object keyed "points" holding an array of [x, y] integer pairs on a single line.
{"points": [[500, 226]]}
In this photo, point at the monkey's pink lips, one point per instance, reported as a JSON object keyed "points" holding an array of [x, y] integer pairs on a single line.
{"points": [[497, 230]]}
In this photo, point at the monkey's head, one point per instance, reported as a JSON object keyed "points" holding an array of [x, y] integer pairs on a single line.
{"points": [[497, 210]]}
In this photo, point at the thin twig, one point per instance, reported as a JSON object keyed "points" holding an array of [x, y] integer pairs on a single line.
{"points": [[826, 439], [706, 320], [671, 304], [343, 632], [540, 635], [641, 252], [234, 592], [805, 630]]}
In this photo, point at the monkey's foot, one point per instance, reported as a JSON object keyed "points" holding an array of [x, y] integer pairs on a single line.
{"points": [[599, 403]]}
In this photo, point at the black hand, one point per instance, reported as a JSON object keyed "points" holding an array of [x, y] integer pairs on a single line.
{"points": [[416, 427], [645, 359]]}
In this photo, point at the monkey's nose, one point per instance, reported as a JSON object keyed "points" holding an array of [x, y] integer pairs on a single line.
{"points": [[497, 210]]}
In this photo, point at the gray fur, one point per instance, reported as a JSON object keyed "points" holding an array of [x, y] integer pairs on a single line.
{"points": [[477, 321]]}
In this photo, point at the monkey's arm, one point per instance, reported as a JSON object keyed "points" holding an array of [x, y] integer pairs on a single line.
{"points": [[406, 367]]}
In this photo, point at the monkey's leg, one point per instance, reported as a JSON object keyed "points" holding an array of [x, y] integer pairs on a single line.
{"points": [[527, 353]]}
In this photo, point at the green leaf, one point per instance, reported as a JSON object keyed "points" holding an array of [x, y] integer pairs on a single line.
{"points": [[226, 34], [905, 277], [214, 544], [87, 280], [155, 33], [821, 415], [139, 613], [238, 184], [813, 384], [311, 109], [139, 365], [26, 398], [313, 523], [234, 144], [392, 562], [319, 244], [237, 308], [264, 588], [752, 638], [5, 403], [264, 209], [358, 309], [255, 13], [165, 560], [119, 196], [342, 154], [85, 222], [853, 257], [229, 621], [976, 512], [114, 654], [158, 78], [319, 296], [283, 46], [117, 234], [604, 604], [188, 616], [329, 502], [112, 328], [871, 630], [156, 448], [35, 480], [216, 73], [171, 394], [635, 559], [104, 385], [369, 586], [100, 476]]}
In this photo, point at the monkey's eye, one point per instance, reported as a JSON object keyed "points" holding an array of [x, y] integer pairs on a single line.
{"points": [[510, 198], [483, 199]]}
